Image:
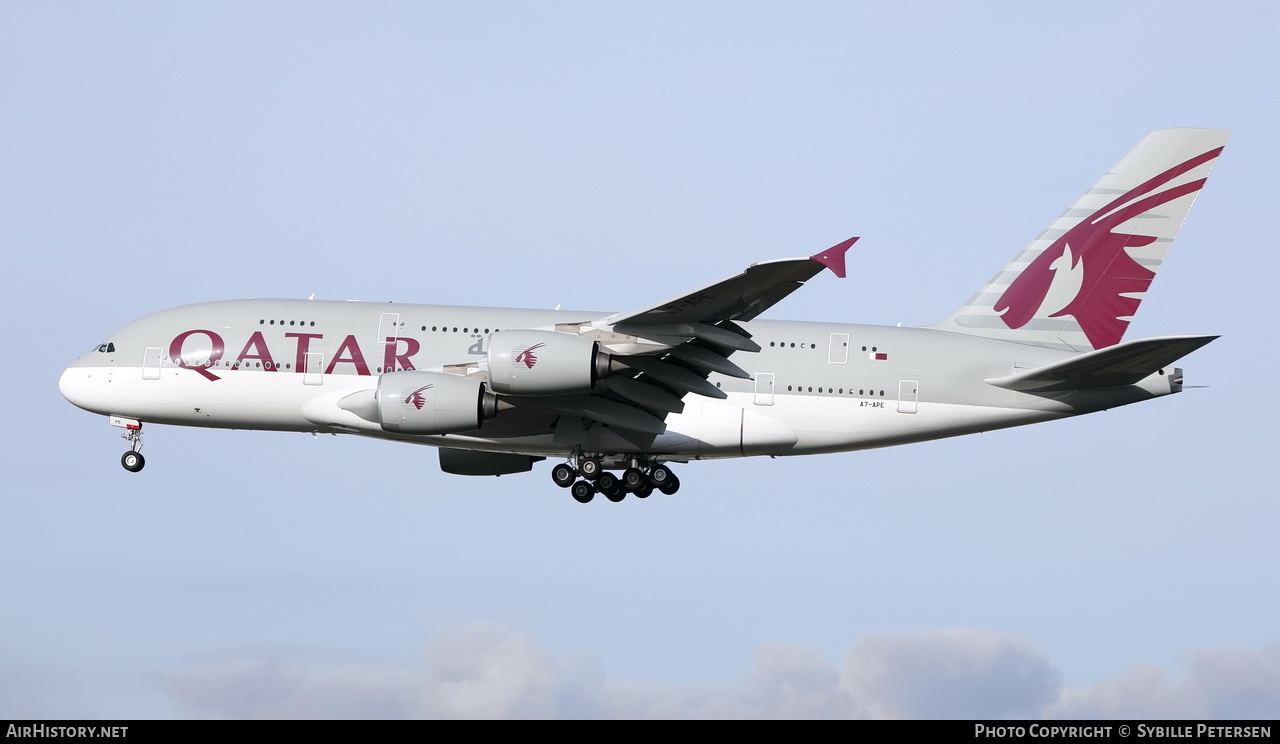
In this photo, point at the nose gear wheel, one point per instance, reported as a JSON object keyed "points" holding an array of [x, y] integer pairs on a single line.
{"points": [[133, 461]]}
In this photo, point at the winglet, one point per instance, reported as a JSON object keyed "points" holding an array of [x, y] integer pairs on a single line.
{"points": [[833, 257]]}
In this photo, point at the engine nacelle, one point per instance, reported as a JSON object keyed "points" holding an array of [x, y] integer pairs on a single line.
{"points": [[544, 363], [416, 402]]}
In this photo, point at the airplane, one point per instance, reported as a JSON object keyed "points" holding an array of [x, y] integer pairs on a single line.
{"points": [[618, 397]]}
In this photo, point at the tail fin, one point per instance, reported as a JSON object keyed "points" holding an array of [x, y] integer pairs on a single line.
{"points": [[1078, 284]]}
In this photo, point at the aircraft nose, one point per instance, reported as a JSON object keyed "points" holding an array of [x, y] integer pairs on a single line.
{"points": [[74, 386], [67, 386]]}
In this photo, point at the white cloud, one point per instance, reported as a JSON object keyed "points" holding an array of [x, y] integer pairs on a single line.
{"points": [[484, 672], [1219, 684], [787, 682], [949, 674]]}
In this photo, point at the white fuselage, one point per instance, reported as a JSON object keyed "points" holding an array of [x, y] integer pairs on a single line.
{"points": [[284, 365]]}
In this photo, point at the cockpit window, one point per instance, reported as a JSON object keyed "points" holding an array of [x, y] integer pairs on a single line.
{"points": [[107, 348]]}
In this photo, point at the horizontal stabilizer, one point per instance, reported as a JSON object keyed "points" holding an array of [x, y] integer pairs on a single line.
{"points": [[1123, 364]]}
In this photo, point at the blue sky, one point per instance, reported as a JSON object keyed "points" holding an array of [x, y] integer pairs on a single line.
{"points": [[606, 156]]}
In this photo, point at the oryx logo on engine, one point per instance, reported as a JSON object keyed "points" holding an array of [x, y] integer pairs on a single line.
{"points": [[415, 398], [527, 357]]}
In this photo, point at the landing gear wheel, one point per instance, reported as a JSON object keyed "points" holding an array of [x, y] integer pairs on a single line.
{"points": [[671, 486], [633, 479], [607, 482], [615, 492], [590, 468], [660, 475], [563, 475], [643, 491], [583, 491], [132, 461]]}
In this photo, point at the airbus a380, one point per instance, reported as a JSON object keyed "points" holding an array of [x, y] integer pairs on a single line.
{"points": [[616, 397]]}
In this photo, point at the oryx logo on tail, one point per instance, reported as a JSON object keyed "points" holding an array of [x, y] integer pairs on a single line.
{"points": [[1087, 273], [416, 399], [527, 357]]}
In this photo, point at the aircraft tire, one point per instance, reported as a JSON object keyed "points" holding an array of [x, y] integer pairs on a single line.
{"points": [[660, 475], [643, 491], [615, 493], [671, 486], [563, 475], [633, 479], [583, 491], [590, 468], [132, 461], [607, 482]]}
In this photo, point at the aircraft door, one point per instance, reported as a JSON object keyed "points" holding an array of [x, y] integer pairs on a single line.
{"points": [[388, 328], [764, 389], [313, 369], [152, 359], [838, 352], [908, 396]]}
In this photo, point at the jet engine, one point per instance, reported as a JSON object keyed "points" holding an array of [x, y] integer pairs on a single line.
{"points": [[417, 402], [545, 363]]}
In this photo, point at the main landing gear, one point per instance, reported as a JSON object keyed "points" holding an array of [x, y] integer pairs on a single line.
{"points": [[133, 459], [589, 477]]}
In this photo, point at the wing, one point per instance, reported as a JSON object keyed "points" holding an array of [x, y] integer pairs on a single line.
{"points": [[665, 351], [742, 296]]}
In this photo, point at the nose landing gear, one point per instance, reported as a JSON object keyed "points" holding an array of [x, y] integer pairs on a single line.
{"points": [[133, 459]]}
